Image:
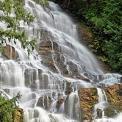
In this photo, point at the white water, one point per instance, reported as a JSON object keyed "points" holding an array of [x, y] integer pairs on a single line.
{"points": [[102, 103], [34, 79], [118, 118]]}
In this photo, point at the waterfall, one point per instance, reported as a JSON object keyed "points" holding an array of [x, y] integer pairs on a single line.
{"points": [[41, 77], [102, 103]]}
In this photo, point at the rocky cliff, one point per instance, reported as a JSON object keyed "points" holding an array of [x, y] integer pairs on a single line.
{"points": [[89, 97]]}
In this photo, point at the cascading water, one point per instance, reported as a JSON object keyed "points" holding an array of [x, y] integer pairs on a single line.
{"points": [[41, 77], [102, 103], [100, 106]]}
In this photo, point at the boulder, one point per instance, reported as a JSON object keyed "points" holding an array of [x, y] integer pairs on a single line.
{"points": [[18, 115], [88, 98], [114, 96], [68, 89], [59, 102], [45, 102], [9, 52]]}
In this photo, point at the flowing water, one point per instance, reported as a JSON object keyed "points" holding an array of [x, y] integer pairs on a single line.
{"points": [[42, 76], [102, 102]]}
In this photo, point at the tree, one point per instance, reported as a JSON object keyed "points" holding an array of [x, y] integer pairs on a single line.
{"points": [[7, 108], [13, 13]]}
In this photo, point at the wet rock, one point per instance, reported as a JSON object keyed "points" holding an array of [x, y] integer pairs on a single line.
{"points": [[49, 62], [45, 46], [84, 78], [44, 82], [51, 56], [68, 89], [88, 98], [60, 62], [99, 113], [9, 52], [101, 85], [114, 96], [110, 111], [32, 77], [34, 85], [71, 106], [18, 115], [120, 79], [60, 101], [73, 68], [49, 46], [45, 50], [120, 92], [44, 102], [100, 77]]}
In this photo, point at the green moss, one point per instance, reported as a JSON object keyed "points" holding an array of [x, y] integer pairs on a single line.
{"points": [[7, 108], [110, 111]]}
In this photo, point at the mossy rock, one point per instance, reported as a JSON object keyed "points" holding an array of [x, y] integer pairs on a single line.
{"points": [[114, 97], [88, 98], [18, 115], [110, 111]]}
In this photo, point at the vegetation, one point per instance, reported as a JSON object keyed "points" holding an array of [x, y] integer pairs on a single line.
{"points": [[42, 2], [7, 108], [14, 13], [104, 16]]}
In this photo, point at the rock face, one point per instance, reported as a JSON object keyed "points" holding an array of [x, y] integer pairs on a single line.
{"points": [[59, 103], [18, 115], [68, 88], [114, 95], [44, 102], [52, 57], [88, 98], [9, 52]]}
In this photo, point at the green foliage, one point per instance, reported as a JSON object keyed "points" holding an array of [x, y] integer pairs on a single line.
{"points": [[106, 16], [7, 108], [14, 12], [42, 2], [105, 19]]}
